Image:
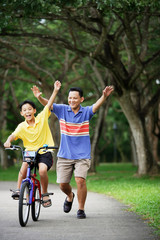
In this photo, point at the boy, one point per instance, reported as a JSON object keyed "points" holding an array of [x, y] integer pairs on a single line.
{"points": [[35, 132]]}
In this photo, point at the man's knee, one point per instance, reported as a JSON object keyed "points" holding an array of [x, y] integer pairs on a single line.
{"points": [[80, 181], [64, 186]]}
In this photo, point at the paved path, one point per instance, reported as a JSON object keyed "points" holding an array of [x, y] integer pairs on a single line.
{"points": [[107, 219]]}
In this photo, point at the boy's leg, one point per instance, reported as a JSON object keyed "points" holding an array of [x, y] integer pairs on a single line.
{"points": [[44, 183], [45, 162], [22, 174], [43, 177]]}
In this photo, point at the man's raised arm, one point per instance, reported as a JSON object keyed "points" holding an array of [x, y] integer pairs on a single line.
{"points": [[38, 94], [106, 92]]}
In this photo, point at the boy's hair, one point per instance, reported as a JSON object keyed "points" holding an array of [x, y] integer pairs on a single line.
{"points": [[25, 102], [77, 89]]}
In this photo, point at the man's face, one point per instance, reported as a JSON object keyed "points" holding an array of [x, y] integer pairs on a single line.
{"points": [[28, 112], [74, 100]]}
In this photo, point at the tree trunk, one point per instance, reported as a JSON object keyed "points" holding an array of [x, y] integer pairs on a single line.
{"points": [[3, 112], [139, 131], [133, 151], [55, 130], [3, 158], [97, 133], [153, 137]]}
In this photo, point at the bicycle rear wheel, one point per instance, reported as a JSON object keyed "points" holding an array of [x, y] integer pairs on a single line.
{"points": [[36, 205], [24, 205]]}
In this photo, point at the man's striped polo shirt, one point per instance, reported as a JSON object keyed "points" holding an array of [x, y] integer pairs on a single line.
{"points": [[75, 139]]}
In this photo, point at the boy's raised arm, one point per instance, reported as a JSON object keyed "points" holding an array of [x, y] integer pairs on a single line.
{"points": [[106, 92], [57, 86]]}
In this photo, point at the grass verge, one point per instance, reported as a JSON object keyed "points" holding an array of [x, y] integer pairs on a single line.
{"points": [[142, 195]]}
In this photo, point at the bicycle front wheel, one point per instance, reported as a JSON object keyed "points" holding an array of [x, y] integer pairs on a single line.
{"points": [[24, 205], [36, 204]]}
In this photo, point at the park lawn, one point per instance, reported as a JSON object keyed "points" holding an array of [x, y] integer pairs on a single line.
{"points": [[119, 180]]}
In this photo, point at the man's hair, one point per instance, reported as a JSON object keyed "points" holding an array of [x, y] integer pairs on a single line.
{"points": [[77, 89], [25, 102]]}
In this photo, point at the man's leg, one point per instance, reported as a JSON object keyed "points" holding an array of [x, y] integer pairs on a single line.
{"points": [[81, 169], [64, 174], [67, 189], [81, 191]]}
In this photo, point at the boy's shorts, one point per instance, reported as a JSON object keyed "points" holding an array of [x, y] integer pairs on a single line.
{"points": [[66, 167], [45, 158]]}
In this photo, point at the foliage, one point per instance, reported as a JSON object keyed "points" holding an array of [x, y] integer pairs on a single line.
{"points": [[105, 42], [25, 8]]}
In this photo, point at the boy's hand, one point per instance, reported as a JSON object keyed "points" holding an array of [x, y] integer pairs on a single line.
{"points": [[57, 85], [36, 91], [107, 91], [7, 144]]}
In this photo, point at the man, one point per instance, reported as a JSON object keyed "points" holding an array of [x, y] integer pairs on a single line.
{"points": [[75, 148]]}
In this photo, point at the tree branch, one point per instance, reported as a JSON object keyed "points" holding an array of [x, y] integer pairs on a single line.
{"points": [[151, 104]]}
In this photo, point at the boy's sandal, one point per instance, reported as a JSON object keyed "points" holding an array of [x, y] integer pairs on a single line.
{"points": [[46, 203], [15, 194]]}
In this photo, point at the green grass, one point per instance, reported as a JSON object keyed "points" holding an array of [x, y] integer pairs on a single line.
{"points": [[142, 195], [120, 181]]}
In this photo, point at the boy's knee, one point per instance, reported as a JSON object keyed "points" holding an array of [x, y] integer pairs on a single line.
{"points": [[42, 172], [23, 170], [42, 169]]}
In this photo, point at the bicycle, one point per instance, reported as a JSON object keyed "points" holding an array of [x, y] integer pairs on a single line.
{"points": [[30, 191]]}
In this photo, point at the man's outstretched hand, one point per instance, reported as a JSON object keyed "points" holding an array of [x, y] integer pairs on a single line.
{"points": [[107, 91], [36, 91]]}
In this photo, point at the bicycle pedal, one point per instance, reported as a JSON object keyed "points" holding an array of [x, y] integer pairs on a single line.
{"points": [[47, 194], [12, 190], [51, 193], [15, 198]]}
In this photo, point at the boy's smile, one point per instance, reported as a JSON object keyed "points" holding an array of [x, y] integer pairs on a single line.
{"points": [[28, 113]]}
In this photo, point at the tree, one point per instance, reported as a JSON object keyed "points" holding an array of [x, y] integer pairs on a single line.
{"points": [[119, 36], [30, 68]]}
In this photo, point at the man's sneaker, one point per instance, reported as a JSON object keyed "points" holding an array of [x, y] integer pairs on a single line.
{"points": [[81, 214]]}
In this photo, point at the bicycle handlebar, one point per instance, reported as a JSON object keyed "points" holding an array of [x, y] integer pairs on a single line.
{"points": [[45, 147], [14, 147]]}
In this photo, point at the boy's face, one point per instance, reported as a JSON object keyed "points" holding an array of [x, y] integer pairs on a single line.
{"points": [[74, 100], [28, 112]]}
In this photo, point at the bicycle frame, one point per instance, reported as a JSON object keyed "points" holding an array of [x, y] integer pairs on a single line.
{"points": [[33, 181], [30, 191]]}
